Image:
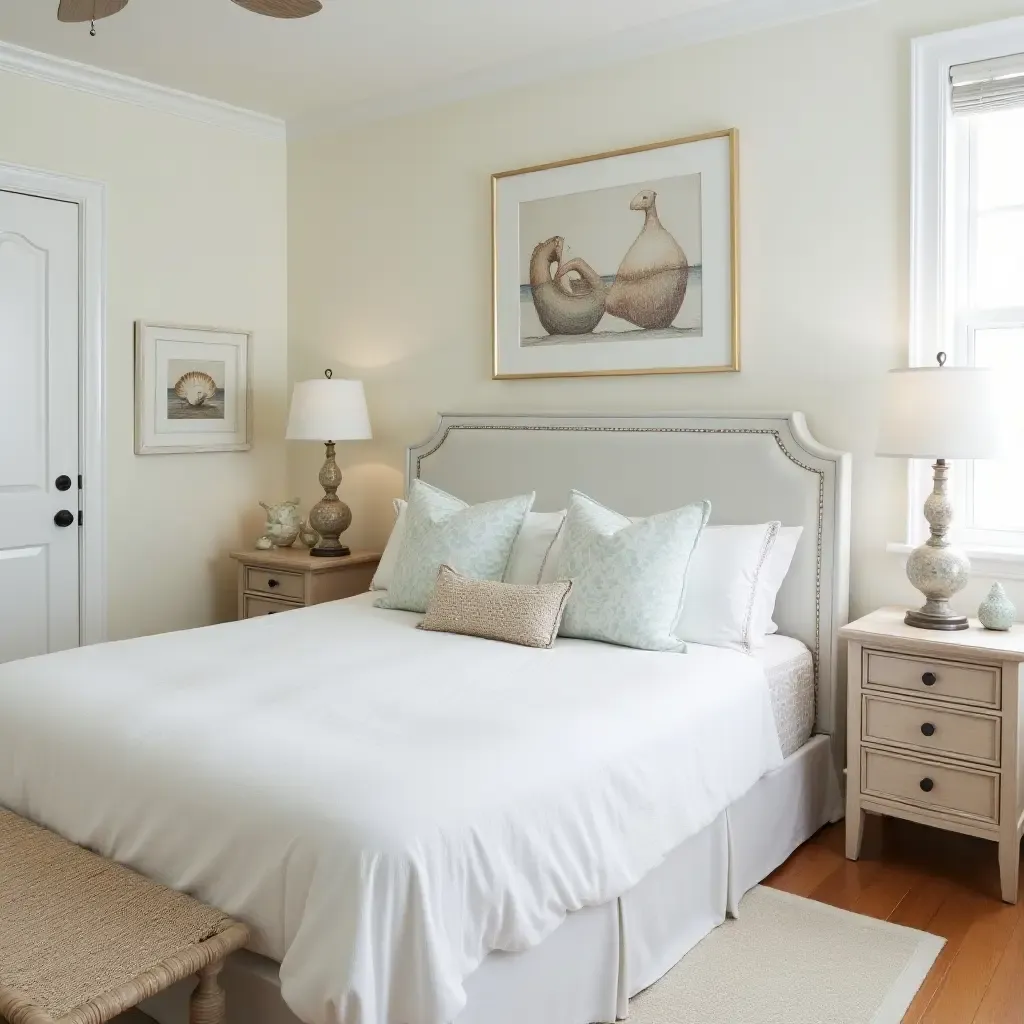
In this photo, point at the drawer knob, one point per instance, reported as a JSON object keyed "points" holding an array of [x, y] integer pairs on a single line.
{"points": [[929, 679], [928, 729], [272, 584], [927, 785]]}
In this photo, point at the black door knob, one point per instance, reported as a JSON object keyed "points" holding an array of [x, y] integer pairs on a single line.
{"points": [[928, 729], [929, 679], [62, 483], [64, 517], [927, 785]]}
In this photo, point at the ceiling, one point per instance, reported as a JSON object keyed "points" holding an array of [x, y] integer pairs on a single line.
{"points": [[360, 57]]}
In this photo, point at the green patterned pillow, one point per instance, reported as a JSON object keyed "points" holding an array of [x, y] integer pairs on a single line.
{"points": [[628, 576], [475, 540]]}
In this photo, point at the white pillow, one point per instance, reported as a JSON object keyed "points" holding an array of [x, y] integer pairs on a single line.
{"points": [[440, 529], [774, 575], [531, 548], [722, 604], [386, 566], [628, 577]]}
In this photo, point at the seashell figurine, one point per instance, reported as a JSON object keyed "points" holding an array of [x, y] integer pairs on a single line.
{"points": [[283, 522], [997, 610], [195, 387], [264, 543], [307, 534]]}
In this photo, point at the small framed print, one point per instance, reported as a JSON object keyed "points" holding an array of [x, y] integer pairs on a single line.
{"points": [[193, 391], [619, 263]]}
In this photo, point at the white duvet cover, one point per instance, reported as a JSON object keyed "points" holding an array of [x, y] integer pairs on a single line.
{"points": [[384, 806]]}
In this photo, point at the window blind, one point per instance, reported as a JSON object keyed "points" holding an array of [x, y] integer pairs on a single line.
{"points": [[988, 85]]}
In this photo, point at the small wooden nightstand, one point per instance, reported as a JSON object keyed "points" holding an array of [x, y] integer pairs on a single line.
{"points": [[935, 731], [284, 578]]}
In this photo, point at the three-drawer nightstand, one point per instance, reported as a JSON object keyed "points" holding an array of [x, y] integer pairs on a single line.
{"points": [[284, 578], [935, 732]]}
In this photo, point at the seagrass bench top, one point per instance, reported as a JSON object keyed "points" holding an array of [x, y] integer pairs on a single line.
{"points": [[83, 939]]}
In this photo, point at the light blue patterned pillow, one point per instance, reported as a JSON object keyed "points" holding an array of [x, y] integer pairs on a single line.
{"points": [[475, 540], [628, 576]]}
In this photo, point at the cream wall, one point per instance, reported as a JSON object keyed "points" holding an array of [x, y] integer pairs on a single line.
{"points": [[196, 219], [389, 242]]}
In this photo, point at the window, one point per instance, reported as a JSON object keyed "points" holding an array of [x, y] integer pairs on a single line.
{"points": [[968, 253]]}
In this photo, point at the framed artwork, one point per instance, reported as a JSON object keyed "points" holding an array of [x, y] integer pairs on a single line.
{"points": [[619, 263], [193, 391]]}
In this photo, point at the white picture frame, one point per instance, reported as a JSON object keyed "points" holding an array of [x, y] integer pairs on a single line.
{"points": [[193, 389], [574, 243]]}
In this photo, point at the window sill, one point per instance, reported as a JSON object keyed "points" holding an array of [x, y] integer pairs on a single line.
{"points": [[999, 563]]}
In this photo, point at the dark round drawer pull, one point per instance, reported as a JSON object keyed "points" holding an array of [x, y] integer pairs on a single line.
{"points": [[927, 785], [928, 729], [272, 584], [929, 679]]}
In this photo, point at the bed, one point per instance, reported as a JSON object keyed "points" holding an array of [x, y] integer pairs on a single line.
{"points": [[222, 760]]}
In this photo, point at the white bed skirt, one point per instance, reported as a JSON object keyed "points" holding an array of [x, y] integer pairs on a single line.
{"points": [[591, 965]]}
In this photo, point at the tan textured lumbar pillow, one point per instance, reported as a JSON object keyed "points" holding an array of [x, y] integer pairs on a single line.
{"points": [[518, 613]]}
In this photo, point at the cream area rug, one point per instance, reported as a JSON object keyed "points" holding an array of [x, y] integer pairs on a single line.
{"points": [[789, 960]]}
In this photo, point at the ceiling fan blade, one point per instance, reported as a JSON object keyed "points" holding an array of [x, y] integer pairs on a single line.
{"points": [[88, 10], [282, 8]]}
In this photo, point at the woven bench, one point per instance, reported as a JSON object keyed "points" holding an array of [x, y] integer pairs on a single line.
{"points": [[83, 939]]}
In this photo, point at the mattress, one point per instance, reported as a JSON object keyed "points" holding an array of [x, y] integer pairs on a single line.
{"points": [[789, 670], [383, 806]]}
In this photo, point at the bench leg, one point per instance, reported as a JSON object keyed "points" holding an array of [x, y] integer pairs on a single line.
{"points": [[206, 1005]]}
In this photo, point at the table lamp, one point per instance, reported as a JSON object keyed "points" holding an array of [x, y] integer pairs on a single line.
{"points": [[334, 409], [939, 412]]}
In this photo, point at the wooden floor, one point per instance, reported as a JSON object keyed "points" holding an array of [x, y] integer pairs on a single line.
{"points": [[937, 881]]}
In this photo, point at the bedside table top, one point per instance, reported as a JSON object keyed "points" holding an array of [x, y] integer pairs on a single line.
{"points": [[886, 624], [300, 560]]}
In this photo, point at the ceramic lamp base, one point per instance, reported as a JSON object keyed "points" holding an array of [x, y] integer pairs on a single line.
{"points": [[330, 516], [937, 568]]}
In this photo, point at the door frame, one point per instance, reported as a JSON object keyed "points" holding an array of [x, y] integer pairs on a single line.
{"points": [[91, 199]]}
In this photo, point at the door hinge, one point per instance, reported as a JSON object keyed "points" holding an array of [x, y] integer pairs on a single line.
{"points": [[81, 517], [79, 481]]}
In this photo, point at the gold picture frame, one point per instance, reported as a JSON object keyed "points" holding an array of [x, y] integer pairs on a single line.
{"points": [[684, 308]]}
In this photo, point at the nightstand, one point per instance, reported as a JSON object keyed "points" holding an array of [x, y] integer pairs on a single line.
{"points": [[935, 731], [281, 579]]}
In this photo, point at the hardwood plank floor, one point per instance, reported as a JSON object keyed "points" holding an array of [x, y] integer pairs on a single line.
{"points": [[938, 882]]}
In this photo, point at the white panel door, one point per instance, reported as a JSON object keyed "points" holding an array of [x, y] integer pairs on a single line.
{"points": [[39, 594]]}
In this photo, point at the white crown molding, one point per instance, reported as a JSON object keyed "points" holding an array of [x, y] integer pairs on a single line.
{"points": [[112, 86], [734, 17]]}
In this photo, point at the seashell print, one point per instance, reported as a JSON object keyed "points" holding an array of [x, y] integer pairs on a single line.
{"points": [[195, 387]]}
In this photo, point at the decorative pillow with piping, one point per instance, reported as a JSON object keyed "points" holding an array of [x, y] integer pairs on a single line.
{"points": [[527, 614], [440, 529], [628, 576], [722, 589]]}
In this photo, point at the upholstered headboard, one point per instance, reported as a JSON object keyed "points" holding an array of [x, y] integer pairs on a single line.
{"points": [[752, 467]]}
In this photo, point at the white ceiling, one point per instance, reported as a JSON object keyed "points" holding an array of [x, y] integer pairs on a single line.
{"points": [[361, 57]]}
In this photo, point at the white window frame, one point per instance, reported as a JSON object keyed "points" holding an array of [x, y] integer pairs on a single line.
{"points": [[935, 135]]}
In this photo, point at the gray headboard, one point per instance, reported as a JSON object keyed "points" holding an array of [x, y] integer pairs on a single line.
{"points": [[753, 467]]}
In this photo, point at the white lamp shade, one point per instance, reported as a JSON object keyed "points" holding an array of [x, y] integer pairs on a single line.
{"points": [[949, 412], [328, 410]]}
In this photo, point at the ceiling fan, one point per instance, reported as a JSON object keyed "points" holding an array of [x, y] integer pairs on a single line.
{"points": [[93, 10]]}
